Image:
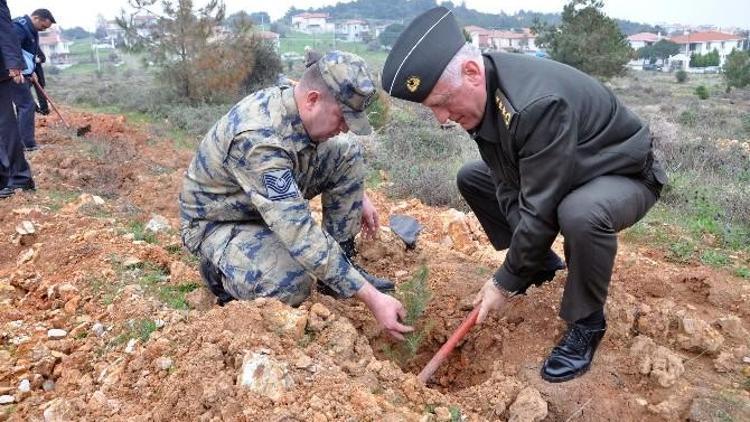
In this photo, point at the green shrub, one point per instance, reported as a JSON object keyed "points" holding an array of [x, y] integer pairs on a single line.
{"points": [[420, 159], [681, 76], [687, 118], [702, 92]]}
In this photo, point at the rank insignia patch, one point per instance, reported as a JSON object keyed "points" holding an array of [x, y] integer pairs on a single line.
{"points": [[412, 84], [280, 184]]}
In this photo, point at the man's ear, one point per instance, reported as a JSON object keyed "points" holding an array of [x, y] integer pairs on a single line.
{"points": [[312, 98], [472, 72]]}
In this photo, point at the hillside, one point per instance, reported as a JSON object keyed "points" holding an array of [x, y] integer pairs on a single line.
{"points": [[95, 252]]}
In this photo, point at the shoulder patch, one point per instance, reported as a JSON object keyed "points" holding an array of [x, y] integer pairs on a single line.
{"points": [[280, 184], [504, 107]]}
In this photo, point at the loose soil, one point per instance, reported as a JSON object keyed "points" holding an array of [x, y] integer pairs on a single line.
{"points": [[135, 349]]}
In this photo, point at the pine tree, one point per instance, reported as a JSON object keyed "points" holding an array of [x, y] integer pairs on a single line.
{"points": [[586, 39]]}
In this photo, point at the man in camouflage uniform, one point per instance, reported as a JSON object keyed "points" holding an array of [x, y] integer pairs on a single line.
{"points": [[244, 203]]}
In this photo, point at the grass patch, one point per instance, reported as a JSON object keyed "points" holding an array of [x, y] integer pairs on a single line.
{"points": [[136, 329], [682, 251], [743, 272], [714, 258], [138, 229], [455, 413], [60, 198], [152, 279]]}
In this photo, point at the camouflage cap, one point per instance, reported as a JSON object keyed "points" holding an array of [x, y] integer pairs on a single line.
{"points": [[350, 82]]}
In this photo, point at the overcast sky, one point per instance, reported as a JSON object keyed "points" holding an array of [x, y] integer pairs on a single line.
{"points": [[69, 13]]}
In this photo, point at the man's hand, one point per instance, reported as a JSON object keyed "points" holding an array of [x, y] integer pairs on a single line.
{"points": [[370, 221], [388, 311], [490, 298], [16, 75]]}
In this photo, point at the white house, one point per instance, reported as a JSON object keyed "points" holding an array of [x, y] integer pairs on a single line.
{"points": [[643, 39], [353, 29], [54, 46], [312, 23], [499, 40], [703, 43]]}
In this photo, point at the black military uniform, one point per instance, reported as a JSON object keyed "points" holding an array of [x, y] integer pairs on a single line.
{"points": [[560, 154]]}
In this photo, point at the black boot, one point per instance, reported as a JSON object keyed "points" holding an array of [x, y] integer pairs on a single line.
{"points": [[212, 277], [573, 355], [350, 250]]}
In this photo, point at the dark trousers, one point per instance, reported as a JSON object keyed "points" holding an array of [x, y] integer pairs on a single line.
{"points": [[25, 108], [589, 218], [14, 169]]}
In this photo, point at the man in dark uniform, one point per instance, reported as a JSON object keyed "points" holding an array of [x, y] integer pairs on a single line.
{"points": [[42, 104], [13, 165], [27, 30], [560, 154]]}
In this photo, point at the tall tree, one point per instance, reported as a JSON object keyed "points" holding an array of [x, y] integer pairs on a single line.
{"points": [[662, 49], [198, 60], [586, 39], [737, 69]]}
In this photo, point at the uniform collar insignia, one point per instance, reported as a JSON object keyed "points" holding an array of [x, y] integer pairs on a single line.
{"points": [[504, 107]]}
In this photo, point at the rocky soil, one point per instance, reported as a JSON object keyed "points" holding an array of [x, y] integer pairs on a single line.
{"points": [[102, 316]]}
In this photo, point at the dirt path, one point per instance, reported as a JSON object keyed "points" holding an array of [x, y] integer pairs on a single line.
{"points": [[141, 343]]}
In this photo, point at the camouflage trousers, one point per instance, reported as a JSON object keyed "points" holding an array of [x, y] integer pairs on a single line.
{"points": [[251, 257]]}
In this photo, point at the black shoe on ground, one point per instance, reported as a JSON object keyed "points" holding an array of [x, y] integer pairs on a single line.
{"points": [[212, 277], [572, 357], [9, 191], [381, 284], [31, 148]]}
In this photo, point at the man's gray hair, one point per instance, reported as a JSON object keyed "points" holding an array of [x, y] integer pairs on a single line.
{"points": [[452, 73]]}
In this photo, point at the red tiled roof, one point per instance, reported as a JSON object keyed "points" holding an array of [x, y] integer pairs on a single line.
{"points": [[473, 28], [308, 15], [704, 37], [644, 36]]}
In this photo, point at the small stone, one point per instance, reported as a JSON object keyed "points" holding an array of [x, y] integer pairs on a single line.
{"points": [[159, 323], [200, 299], [7, 399], [130, 348], [401, 273], [97, 200], [25, 228], [264, 375], [442, 414], [56, 333], [132, 262], [641, 401], [157, 224], [746, 359], [24, 386], [529, 406], [303, 362], [98, 329], [164, 363], [48, 385], [26, 256]]}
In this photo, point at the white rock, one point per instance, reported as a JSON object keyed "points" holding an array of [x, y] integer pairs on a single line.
{"points": [[157, 224], [7, 399], [25, 227], [131, 262], [130, 348], [264, 375], [48, 385], [746, 359], [529, 406], [98, 329], [159, 323], [56, 333], [26, 256], [24, 386], [164, 363], [98, 200]]}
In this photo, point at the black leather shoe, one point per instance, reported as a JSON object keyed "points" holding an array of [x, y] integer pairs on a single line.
{"points": [[9, 191], [212, 277], [572, 357]]}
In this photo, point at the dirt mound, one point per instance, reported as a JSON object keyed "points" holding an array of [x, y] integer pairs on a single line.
{"points": [[102, 316]]}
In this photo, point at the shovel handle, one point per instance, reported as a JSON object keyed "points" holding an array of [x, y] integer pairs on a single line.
{"points": [[49, 100], [448, 347]]}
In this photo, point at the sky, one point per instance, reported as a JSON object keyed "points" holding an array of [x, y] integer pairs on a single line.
{"points": [[723, 13]]}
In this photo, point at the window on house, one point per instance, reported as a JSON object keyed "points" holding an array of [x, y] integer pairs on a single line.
{"points": [[722, 45], [708, 46]]}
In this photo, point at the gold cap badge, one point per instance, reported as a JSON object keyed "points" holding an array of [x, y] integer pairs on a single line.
{"points": [[413, 83]]}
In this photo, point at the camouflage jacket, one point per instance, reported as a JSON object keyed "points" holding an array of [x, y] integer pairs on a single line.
{"points": [[249, 168]]}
